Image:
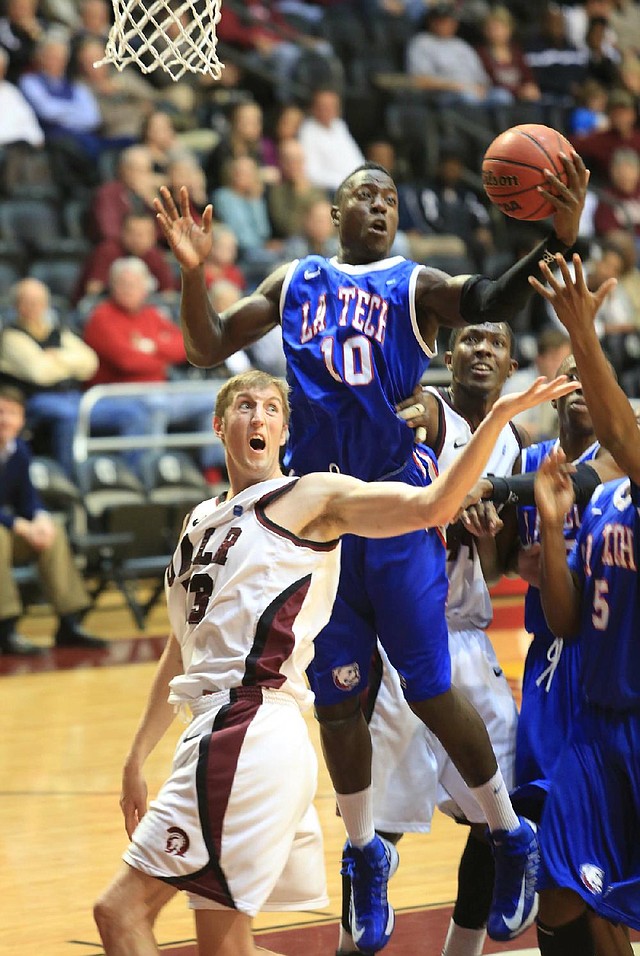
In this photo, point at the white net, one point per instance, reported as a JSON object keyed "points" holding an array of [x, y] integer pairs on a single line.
{"points": [[177, 37]]}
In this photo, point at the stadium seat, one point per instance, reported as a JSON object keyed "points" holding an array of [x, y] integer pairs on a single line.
{"points": [[131, 536]]}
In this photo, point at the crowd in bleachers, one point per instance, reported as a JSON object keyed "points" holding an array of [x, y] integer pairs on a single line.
{"points": [[88, 290]]}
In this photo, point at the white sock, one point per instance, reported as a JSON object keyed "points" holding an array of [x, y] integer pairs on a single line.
{"points": [[345, 942], [495, 802], [356, 810], [463, 942]]}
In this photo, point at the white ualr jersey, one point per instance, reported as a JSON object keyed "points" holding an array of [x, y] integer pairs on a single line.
{"points": [[246, 598], [469, 603]]}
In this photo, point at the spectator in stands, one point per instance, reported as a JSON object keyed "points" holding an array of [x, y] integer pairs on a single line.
{"points": [[241, 204], [625, 22], [66, 109], [288, 199], [617, 314], [629, 280], [19, 122], [135, 342], [597, 148], [27, 532], [558, 66], [590, 112], [316, 235], [330, 150], [51, 366], [124, 97], [604, 60], [286, 126], [185, 170], [447, 207], [94, 22], [503, 59], [619, 203], [60, 11], [578, 17], [20, 31], [159, 135], [444, 64], [138, 238], [268, 39], [243, 138], [133, 190], [222, 262]]}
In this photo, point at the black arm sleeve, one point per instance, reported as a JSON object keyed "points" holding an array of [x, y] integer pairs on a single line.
{"points": [[518, 489], [499, 300]]}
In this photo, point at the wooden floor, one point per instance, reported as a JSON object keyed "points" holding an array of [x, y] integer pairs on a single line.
{"points": [[65, 730]]}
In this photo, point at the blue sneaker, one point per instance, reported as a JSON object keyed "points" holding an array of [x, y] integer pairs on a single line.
{"points": [[515, 902], [369, 868]]}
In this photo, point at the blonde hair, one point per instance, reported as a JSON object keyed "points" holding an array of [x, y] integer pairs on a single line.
{"points": [[254, 378]]}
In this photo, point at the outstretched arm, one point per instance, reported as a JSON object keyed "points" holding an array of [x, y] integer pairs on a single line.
{"points": [[613, 418], [210, 337], [328, 506], [461, 300], [558, 590], [156, 719]]}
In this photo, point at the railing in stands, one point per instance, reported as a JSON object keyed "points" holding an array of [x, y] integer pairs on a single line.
{"points": [[85, 444]]}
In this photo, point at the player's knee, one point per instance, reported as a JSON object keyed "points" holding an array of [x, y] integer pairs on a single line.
{"points": [[339, 717], [114, 915]]}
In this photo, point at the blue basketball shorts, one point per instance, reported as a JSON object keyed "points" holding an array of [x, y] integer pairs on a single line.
{"points": [[550, 700], [590, 830], [395, 589]]}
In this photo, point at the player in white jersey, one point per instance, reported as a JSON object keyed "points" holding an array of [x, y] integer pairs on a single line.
{"points": [[412, 773], [251, 581]]}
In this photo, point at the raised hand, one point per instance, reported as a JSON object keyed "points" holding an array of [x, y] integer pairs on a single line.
{"points": [[574, 303], [190, 243], [542, 390], [568, 200], [554, 489]]}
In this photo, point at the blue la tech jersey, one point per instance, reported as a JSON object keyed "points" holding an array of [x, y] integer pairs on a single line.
{"points": [[532, 458], [605, 559], [353, 351]]}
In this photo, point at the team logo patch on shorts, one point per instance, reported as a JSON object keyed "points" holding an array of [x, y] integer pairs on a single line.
{"points": [[177, 841], [346, 677], [592, 877]]}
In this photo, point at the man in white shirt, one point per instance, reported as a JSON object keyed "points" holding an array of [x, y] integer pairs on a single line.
{"points": [[331, 152], [19, 122]]}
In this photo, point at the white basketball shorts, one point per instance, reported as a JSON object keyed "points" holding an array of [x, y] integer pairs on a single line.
{"points": [[234, 825], [411, 772]]}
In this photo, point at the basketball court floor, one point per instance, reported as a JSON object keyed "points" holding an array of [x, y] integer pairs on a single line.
{"points": [[67, 720]]}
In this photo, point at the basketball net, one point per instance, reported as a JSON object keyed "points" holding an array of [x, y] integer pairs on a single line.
{"points": [[177, 37]]}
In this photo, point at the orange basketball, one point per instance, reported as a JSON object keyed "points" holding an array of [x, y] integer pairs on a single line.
{"points": [[513, 168]]}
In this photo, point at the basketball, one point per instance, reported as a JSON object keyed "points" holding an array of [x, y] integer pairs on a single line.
{"points": [[513, 168]]}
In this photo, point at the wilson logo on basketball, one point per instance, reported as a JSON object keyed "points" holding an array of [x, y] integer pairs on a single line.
{"points": [[489, 178], [177, 841]]}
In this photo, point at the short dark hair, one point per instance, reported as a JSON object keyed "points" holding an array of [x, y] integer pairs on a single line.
{"points": [[337, 199], [455, 333], [11, 393]]}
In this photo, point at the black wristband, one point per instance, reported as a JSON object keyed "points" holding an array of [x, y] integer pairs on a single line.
{"points": [[502, 493], [519, 489], [552, 246]]}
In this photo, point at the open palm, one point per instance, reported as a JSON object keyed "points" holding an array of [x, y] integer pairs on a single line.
{"points": [[190, 242]]}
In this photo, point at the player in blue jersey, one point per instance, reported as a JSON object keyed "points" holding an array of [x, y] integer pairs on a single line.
{"points": [[358, 332], [590, 836]]}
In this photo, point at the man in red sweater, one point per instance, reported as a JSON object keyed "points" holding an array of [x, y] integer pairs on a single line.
{"points": [[136, 342], [138, 237]]}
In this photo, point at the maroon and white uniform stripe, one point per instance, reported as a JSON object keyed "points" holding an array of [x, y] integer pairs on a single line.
{"points": [[234, 825]]}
